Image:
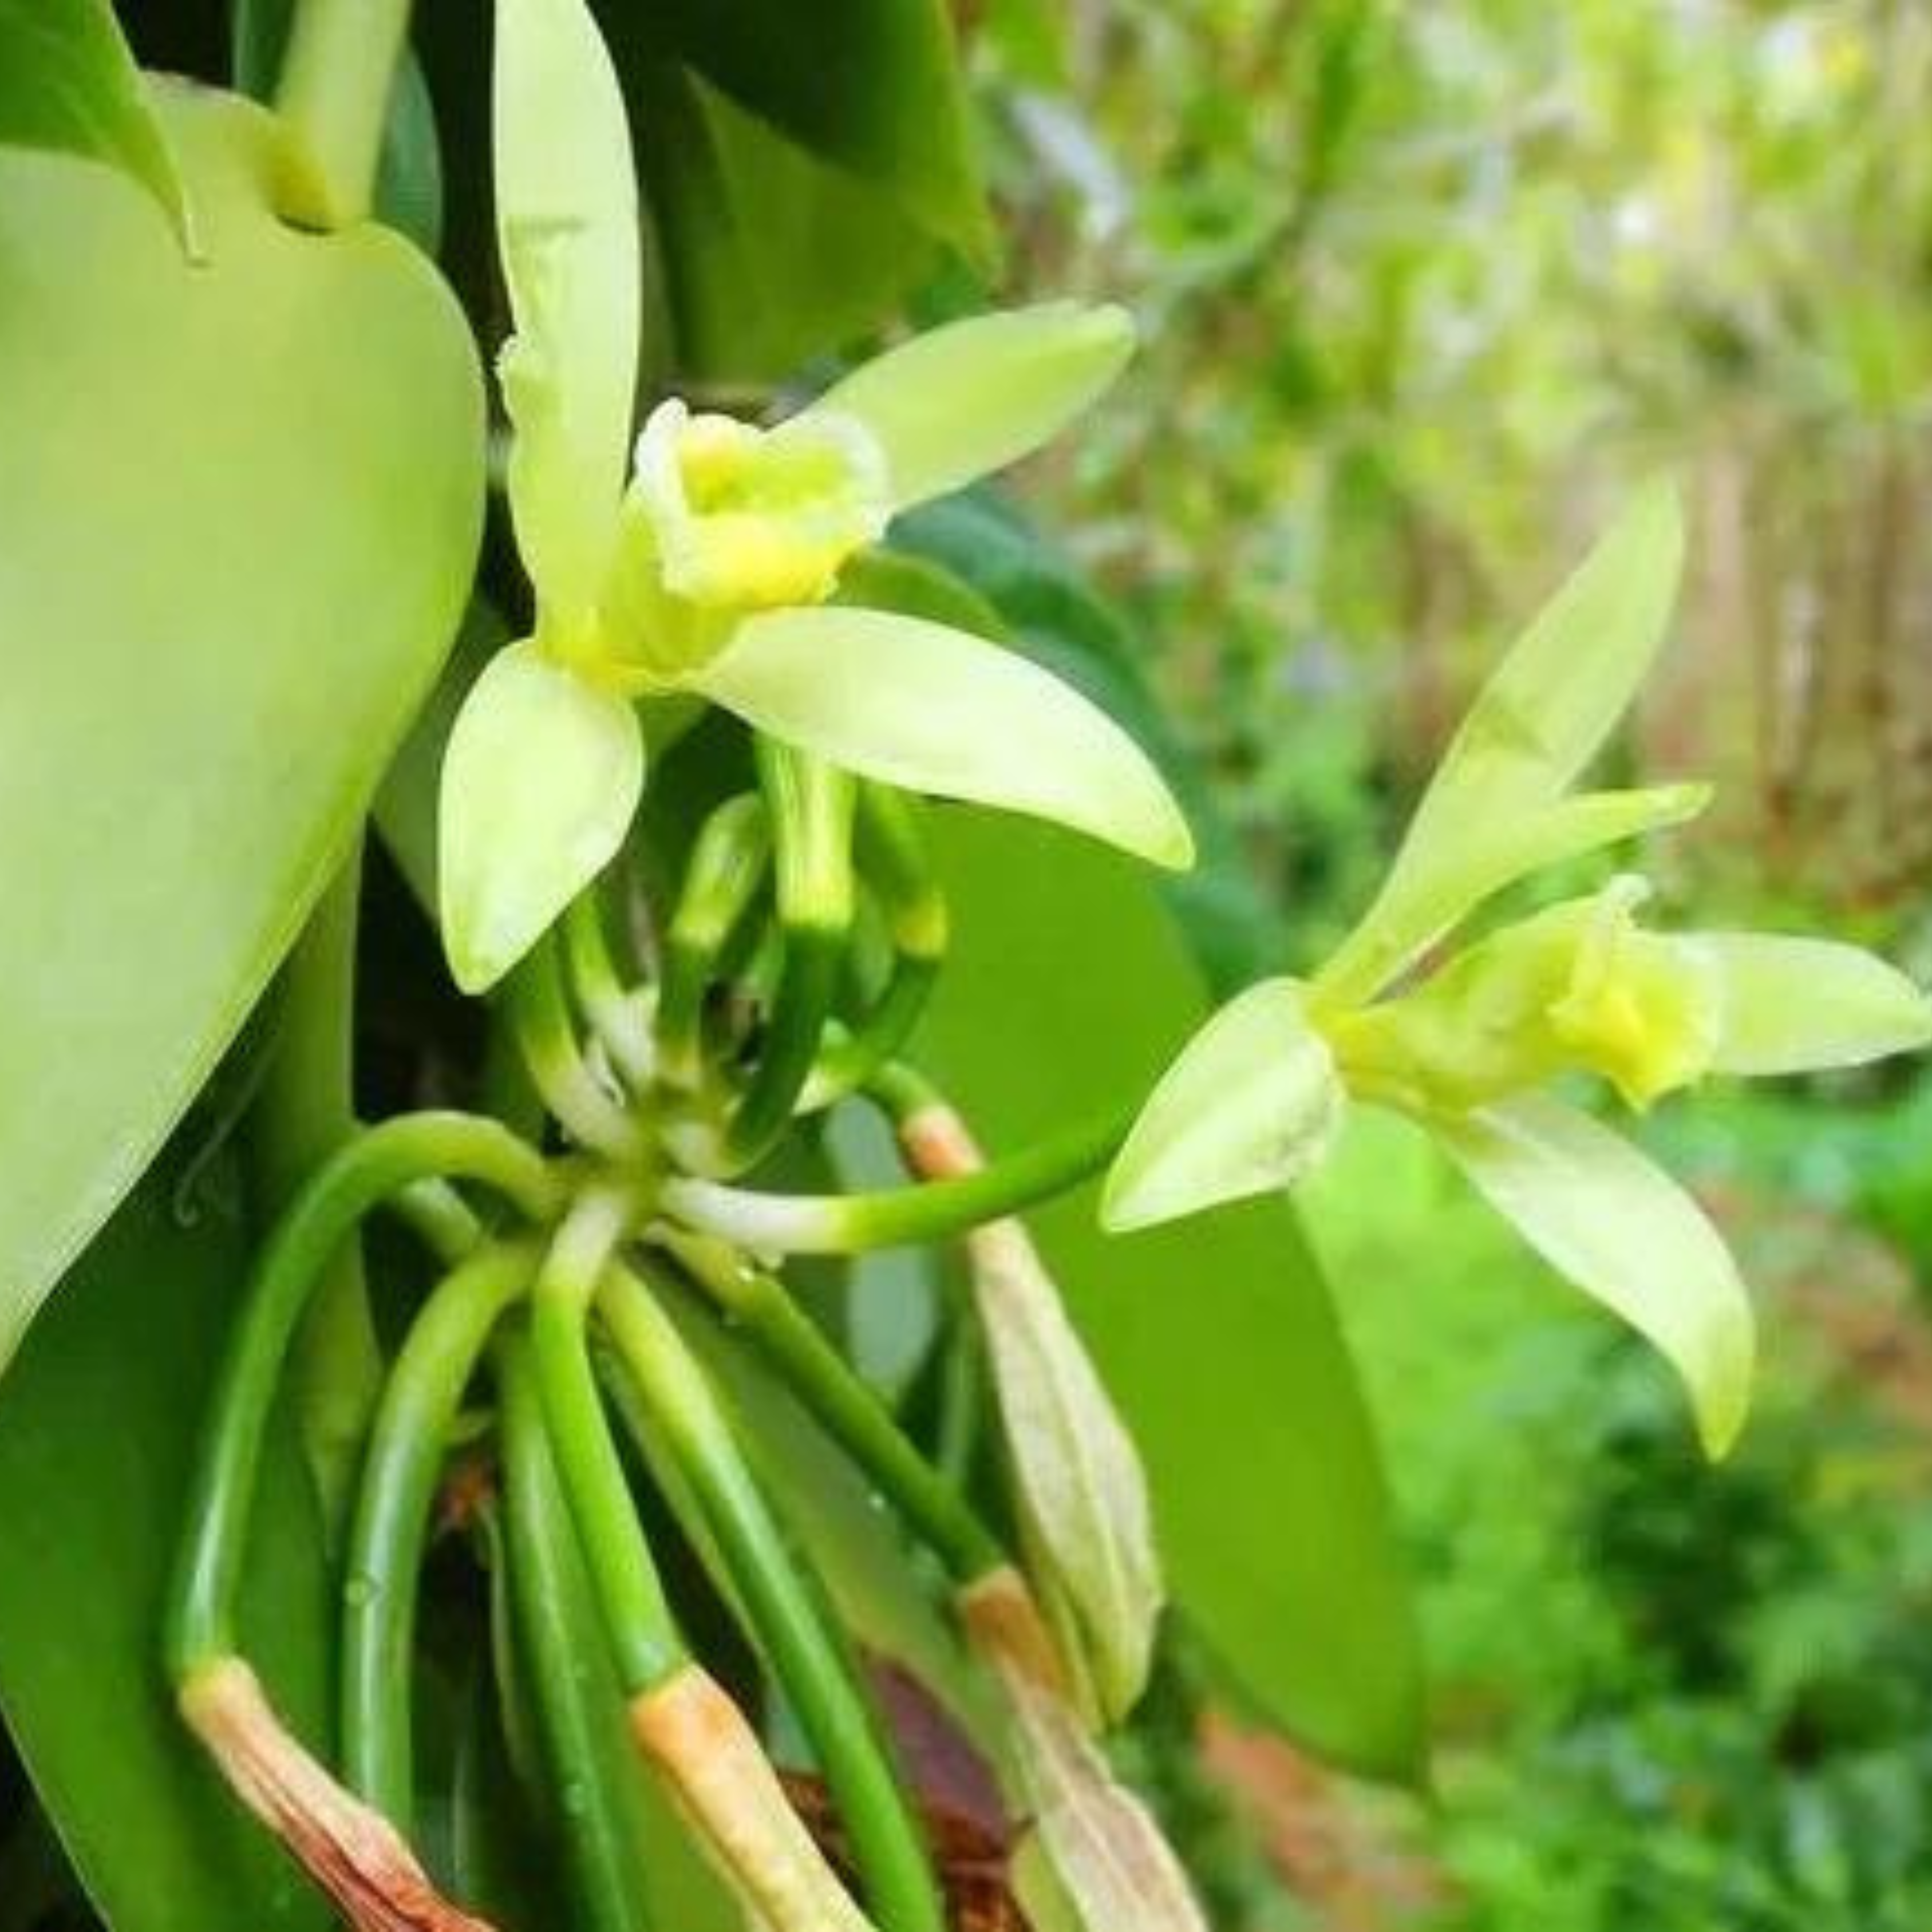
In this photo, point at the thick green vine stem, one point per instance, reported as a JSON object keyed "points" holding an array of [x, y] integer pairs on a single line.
{"points": [[559, 1641], [304, 1111], [847, 1224], [888, 1846], [380, 1162], [336, 77], [390, 1528], [811, 805], [643, 1638], [757, 1307]]}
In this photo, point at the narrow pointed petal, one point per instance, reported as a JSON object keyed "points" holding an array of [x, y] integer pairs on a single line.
{"points": [[1418, 904], [930, 709], [567, 227], [961, 401], [1553, 701], [540, 780], [1252, 1103], [1617, 1226], [1797, 1006]]}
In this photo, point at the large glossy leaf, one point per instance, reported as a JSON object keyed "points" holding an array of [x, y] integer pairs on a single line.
{"points": [[887, 105], [239, 506], [97, 1424], [1069, 990], [770, 255], [68, 84]]}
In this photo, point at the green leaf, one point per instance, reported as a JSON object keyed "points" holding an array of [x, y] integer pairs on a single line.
{"points": [[1795, 1005], [959, 402], [1066, 990], [1544, 714], [280, 451], [923, 707], [872, 85], [69, 85], [1609, 1220], [98, 1422], [772, 257], [540, 778], [1251, 1105], [567, 227]]}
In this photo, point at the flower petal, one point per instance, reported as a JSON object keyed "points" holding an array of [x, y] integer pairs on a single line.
{"points": [[930, 709], [1418, 904], [972, 397], [1251, 1104], [567, 226], [542, 775], [1791, 1005], [1542, 715], [1610, 1221]]}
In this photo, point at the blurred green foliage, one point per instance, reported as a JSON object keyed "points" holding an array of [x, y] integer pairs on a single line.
{"points": [[1424, 290], [1668, 1696]]}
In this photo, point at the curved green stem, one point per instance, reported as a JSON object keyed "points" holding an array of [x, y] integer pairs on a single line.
{"points": [[560, 1641], [337, 75], [304, 1111], [757, 1307], [379, 1162], [539, 1014], [812, 805], [897, 867], [616, 1014], [642, 1637], [887, 1845], [836, 1224], [391, 1529], [728, 861]]}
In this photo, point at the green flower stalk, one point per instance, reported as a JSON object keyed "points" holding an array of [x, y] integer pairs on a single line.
{"points": [[712, 569], [1468, 1047]]}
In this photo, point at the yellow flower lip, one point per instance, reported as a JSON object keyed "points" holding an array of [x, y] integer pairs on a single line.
{"points": [[1579, 988], [750, 519]]}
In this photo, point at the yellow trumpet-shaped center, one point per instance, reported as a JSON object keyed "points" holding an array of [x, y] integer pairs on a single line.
{"points": [[1578, 988], [743, 519]]}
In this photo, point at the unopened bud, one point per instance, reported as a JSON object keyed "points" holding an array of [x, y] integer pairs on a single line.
{"points": [[1081, 1492]]}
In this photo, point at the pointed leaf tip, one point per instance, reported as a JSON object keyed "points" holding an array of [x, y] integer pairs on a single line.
{"points": [[540, 780]]}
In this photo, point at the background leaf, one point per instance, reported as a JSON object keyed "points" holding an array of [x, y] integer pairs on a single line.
{"points": [[1067, 990], [68, 84], [872, 85], [97, 1427], [188, 738]]}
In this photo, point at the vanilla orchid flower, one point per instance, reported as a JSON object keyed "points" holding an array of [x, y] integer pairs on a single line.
{"points": [[703, 562], [1468, 1047]]}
